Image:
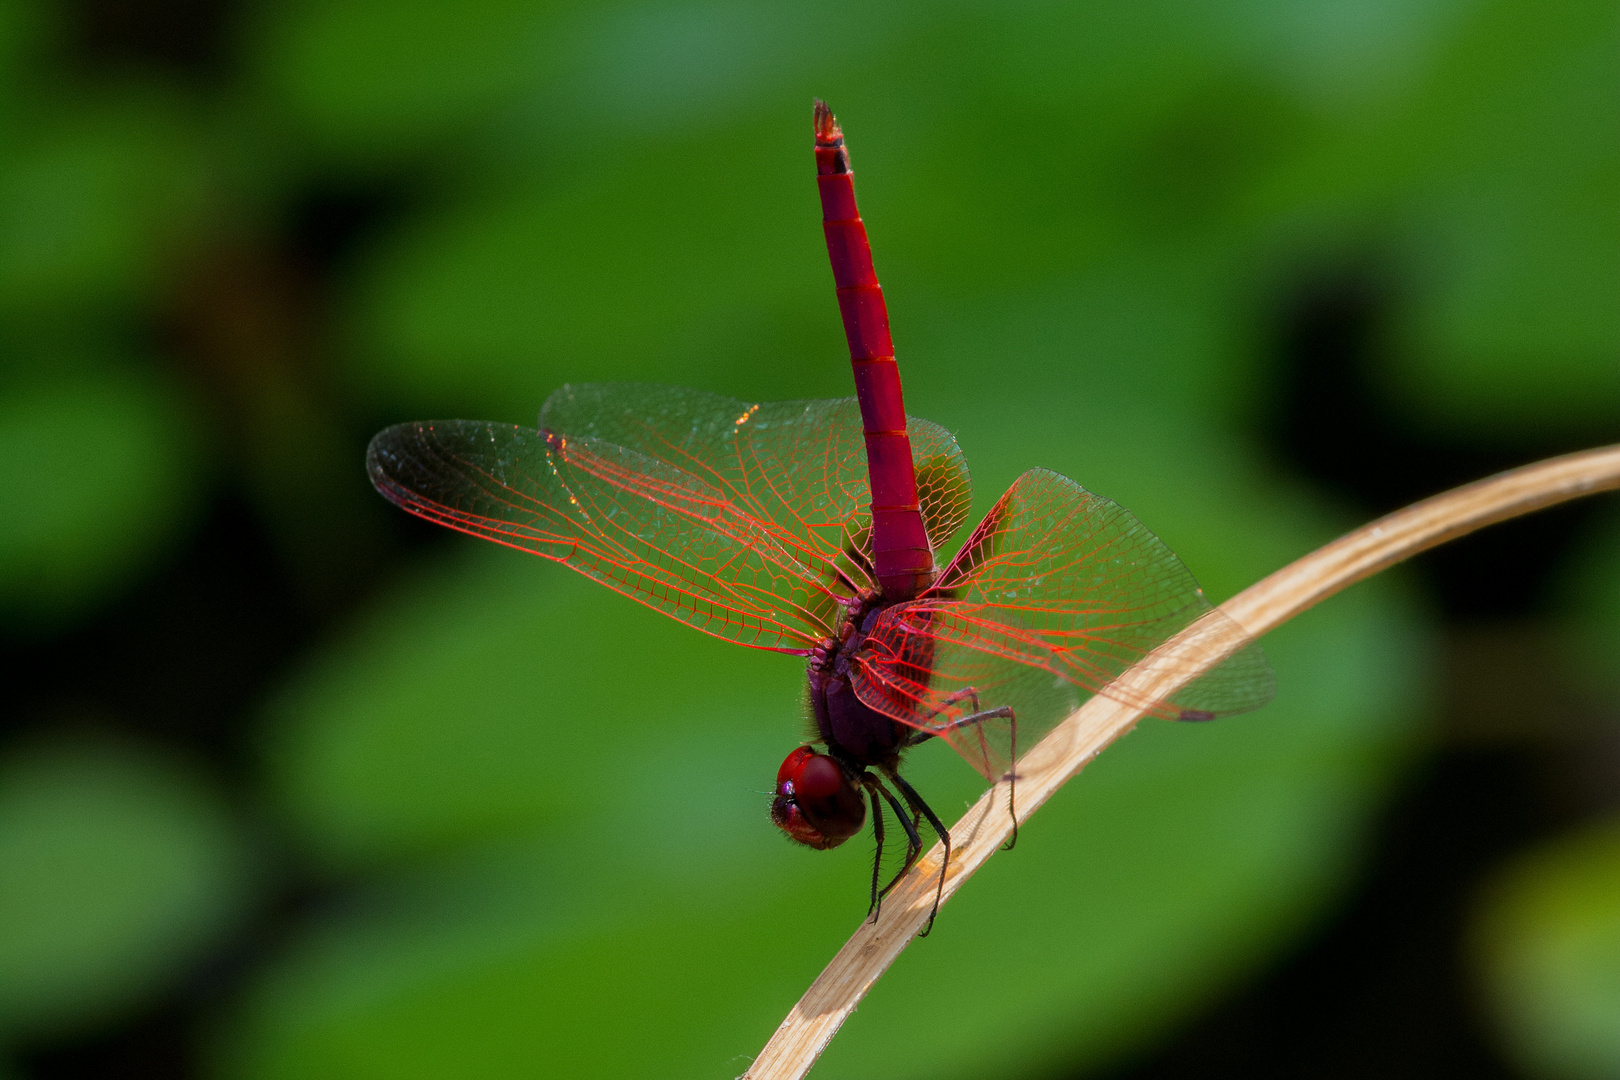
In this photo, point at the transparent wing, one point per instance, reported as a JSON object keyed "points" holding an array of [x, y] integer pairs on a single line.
{"points": [[801, 464], [1056, 593], [634, 524], [944, 488], [744, 521]]}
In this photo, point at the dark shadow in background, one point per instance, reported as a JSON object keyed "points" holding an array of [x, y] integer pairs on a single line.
{"points": [[1382, 989], [185, 659]]}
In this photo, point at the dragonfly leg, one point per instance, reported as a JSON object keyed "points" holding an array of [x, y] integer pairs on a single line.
{"points": [[1003, 713], [1012, 782], [877, 860], [1006, 713], [875, 788], [915, 801], [921, 735]]}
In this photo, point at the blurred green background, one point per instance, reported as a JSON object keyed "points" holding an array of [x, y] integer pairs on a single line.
{"points": [[294, 786]]}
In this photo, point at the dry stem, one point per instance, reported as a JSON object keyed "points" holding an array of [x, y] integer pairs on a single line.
{"points": [[1079, 738]]}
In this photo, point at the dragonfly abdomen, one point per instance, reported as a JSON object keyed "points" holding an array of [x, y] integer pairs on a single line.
{"points": [[902, 557]]}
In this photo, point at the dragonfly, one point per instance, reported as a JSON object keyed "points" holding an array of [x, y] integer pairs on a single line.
{"points": [[813, 528]]}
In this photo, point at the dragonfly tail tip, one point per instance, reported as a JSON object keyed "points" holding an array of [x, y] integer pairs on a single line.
{"points": [[826, 124]]}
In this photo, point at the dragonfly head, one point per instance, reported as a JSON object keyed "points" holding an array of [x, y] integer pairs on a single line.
{"points": [[816, 804]]}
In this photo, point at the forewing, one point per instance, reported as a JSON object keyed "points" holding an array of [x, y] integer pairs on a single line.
{"points": [[1056, 593], [747, 521], [798, 464], [661, 535]]}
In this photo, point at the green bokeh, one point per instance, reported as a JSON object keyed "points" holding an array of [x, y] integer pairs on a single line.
{"points": [[1466, 149], [94, 199], [699, 261], [361, 79], [98, 471], [1548, 944], [491, 308], [117, 868], [1515, 210]]}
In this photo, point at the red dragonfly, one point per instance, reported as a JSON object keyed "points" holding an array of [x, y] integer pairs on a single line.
{"points": [[810, 528]]}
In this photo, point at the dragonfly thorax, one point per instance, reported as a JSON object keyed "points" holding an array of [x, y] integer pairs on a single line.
{"points": [[853, 731]]}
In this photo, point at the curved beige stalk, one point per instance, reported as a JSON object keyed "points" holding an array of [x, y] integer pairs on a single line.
{"points": [[1101, 720]]}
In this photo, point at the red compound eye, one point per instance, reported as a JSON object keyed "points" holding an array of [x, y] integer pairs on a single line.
{"points": [[792, 764], [819, 778], [813, 775]]}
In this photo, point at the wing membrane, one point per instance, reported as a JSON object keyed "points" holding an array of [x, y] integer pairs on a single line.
{"points": [[801, 464], [1056, 593], [745, 521], [508, 484]]}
